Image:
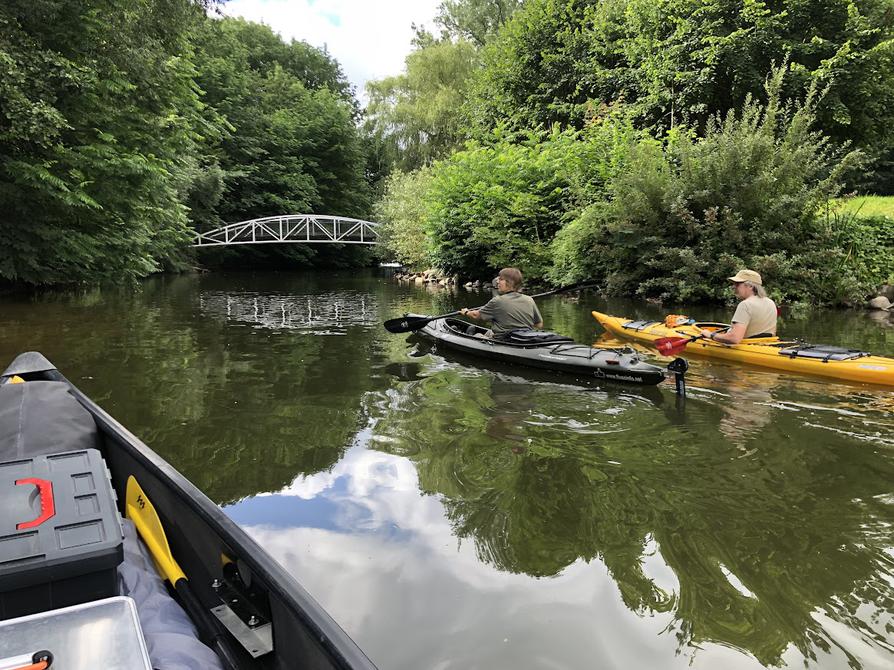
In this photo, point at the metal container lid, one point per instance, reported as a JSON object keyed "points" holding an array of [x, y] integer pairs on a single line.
{"points": [[100, 634]]}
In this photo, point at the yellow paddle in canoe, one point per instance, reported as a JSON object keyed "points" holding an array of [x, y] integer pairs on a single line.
{"points": [[141, 511]]}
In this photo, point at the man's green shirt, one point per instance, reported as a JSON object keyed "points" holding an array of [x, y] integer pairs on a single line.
{"points": [[510, 311]]}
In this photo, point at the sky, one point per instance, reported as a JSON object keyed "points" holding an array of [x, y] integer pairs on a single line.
{"points": [[369, 38]]}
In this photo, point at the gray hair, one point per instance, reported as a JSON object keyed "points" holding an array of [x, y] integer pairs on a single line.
{"points": [[759, 290]]}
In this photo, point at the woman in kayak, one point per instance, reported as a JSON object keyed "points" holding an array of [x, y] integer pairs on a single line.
{"points": [[755, 315], [510, 310]]}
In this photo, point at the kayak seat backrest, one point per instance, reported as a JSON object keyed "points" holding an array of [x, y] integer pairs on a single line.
{"points": [[639, 325], [823, 352], [43, 417], [536, 337]]}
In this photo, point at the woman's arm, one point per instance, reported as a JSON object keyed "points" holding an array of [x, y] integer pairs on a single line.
{"points": [[734, 335]]}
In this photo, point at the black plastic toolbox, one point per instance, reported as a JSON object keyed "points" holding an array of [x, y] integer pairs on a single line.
{"points": [[60, 532]]}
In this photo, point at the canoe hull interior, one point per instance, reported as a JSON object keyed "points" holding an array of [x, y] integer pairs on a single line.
{"points": [[209, 546]]}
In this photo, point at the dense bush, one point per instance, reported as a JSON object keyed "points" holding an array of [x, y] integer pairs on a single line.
{"points": [[685, 213], [403, 214], [499, 205], [503, 203]]}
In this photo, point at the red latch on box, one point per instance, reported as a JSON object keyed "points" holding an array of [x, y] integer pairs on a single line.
{"points": [[47, 504]]}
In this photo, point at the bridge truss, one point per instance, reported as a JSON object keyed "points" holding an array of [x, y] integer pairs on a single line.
{"points": [[294, 229]]}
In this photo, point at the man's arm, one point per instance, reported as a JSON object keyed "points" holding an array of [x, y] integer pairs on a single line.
{"points": [[473, 313]]}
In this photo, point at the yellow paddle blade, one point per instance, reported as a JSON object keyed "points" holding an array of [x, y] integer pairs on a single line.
{"points": [[140, 510], [15, 379]]}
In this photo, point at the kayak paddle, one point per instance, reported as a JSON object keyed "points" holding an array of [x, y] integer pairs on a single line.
{"points": [[671, 346], [141, 511], [407, 324]]}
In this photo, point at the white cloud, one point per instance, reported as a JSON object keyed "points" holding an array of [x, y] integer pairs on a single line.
{"points": [[369, 38], [447, 608]]}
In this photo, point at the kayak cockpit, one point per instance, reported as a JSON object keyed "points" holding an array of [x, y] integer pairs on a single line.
{"points": [[521, 338]]}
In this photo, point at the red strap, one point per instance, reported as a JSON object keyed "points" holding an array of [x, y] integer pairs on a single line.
{"points": [[47, 504]]}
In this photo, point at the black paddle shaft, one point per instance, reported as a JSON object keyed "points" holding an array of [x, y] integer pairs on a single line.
{"points": [[207, 625], [407, 324]]}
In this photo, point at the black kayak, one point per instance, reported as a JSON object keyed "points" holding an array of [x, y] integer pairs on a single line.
{"points": [[260, 616], [544, 350]]}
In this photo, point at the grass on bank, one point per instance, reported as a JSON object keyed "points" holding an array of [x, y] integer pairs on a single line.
{"points": [[868, 205]]}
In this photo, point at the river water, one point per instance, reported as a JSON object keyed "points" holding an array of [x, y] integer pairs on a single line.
{"points": [[451, 517]]}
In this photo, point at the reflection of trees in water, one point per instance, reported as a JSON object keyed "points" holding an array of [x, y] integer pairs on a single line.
{"points": [[236, 414], [321, 313], [760, 542]]}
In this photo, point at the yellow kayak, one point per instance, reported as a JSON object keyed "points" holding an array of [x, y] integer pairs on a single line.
{"points": [[769, 352]]}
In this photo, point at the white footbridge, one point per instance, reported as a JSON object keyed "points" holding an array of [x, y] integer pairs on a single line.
{"points": [[292, 229]]}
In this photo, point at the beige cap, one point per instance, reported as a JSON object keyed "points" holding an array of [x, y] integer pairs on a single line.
{"points": [[748, 275]]}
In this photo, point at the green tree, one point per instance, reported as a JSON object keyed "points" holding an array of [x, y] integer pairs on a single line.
{"points": [[100, 127], [293, 146], [686, 60], [403, 213], [540, 70], [475, 20], [418, 114]]}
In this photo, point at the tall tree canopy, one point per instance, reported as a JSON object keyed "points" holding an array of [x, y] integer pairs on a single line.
{"points": [[558, 60], [99, 125], [123, 124], [293, 144], [475, 20], [419, 116]]}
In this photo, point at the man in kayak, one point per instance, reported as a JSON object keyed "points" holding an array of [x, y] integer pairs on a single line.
{"points": [[755, 315], [510, 310]]}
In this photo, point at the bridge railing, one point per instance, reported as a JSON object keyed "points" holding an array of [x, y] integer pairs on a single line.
{"points": [[292, 228]]}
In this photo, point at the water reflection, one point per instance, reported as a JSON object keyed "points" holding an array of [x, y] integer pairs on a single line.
{"points": [[760, 533], [453, 514], [315, 314]]}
